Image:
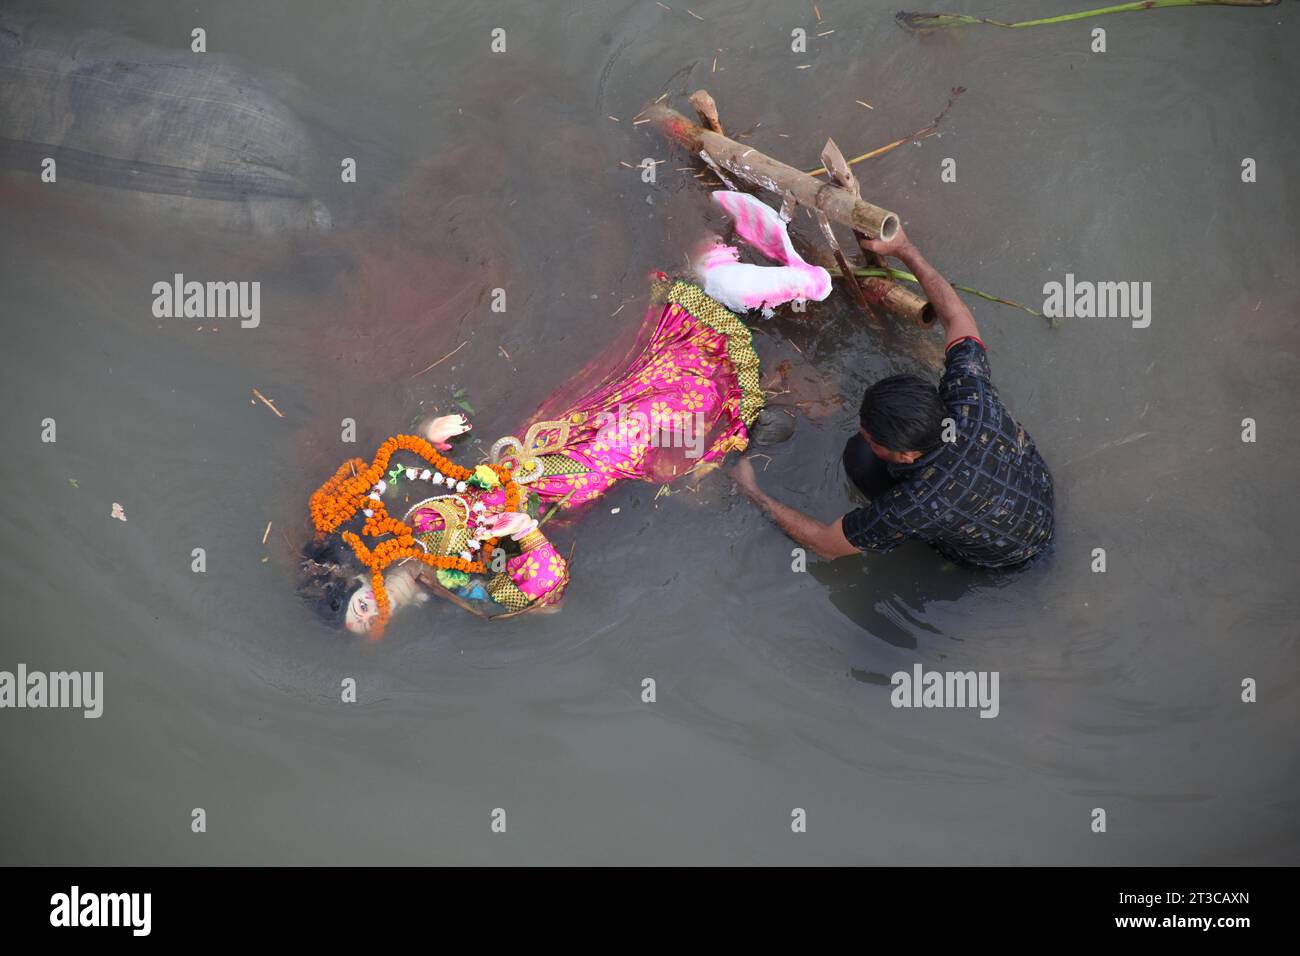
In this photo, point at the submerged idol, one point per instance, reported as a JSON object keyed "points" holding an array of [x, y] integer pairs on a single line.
{"points": [[686, 395]]}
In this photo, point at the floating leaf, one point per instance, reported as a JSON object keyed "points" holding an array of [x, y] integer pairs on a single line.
{"points": [[469, 409]]}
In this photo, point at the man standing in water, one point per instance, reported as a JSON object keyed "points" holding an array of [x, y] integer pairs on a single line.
{"points": [[950, 466]]}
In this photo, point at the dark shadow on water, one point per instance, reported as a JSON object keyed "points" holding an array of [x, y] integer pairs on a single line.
{"points": [[887, 595]]}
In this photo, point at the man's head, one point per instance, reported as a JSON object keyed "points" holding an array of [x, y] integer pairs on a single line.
{"points": [[902, 418]]}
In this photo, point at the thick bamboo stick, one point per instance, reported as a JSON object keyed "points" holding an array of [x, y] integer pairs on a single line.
{"points": [[885, 293], [847, 275], [841, 175], [898, 299], [747, 163]]}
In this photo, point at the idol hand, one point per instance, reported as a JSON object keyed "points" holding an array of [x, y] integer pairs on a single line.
{"points": [[448, 426], [514, 523]]}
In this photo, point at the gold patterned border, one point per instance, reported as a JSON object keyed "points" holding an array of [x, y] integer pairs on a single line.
{"points": [[740, 344], [553, 465], [506, 593]]}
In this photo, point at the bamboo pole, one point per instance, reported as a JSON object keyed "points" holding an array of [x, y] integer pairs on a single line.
{"points": [[847, 274], [833, 161], [898, 299], [747, 163], [840, 173], [885, 292], [841, 202]]}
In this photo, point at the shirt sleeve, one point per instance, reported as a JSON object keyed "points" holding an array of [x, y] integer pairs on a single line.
{"points": [[966, 373], [878, 527]]}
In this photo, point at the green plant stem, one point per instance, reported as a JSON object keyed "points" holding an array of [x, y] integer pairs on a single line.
{"points": [[922, 21], [887, 273], [558, 505]]}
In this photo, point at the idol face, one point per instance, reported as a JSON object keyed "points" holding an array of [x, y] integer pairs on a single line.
{"points": [[362, 610]]}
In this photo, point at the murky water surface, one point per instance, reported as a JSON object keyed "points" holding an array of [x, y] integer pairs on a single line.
{"points": [[1118, 690]]}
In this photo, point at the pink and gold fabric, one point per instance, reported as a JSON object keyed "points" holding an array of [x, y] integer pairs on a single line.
{"points": [[538, 570], [685, 396], [683, 400]]}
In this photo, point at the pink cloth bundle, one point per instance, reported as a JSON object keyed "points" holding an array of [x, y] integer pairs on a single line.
{"points": [[741, 286]]}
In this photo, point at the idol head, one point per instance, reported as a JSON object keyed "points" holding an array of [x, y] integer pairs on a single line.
{"points": [[362, 610], [328, 585], [901, 418]]}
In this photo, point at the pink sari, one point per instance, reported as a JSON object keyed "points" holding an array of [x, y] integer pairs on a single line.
{"points": [[684, 398]]}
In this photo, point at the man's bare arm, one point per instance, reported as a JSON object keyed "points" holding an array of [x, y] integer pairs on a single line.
{"points": [[951, 311], [827, 541]]}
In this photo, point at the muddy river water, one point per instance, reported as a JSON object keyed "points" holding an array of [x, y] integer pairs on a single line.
{"points": [[519, 170]]}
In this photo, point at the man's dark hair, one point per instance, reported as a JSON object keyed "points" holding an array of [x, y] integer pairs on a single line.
{"points": [[903, 413]]}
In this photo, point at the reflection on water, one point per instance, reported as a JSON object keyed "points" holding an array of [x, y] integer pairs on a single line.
{"points": [[479, 172]]}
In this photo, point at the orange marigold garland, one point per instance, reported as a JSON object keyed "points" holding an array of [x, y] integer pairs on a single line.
{"points": [[347, 493]]}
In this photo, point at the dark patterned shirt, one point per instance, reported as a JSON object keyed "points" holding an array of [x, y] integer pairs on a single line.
{"points": [[985, 499]]}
